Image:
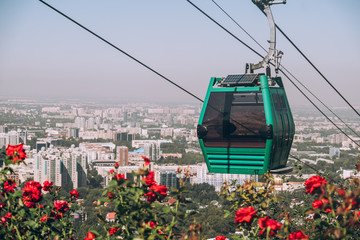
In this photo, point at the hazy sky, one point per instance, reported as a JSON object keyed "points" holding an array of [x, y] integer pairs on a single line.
{"points": [[42, 54]]}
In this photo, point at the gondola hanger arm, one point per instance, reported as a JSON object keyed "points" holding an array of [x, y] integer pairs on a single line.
{"points": [[272, 54]]}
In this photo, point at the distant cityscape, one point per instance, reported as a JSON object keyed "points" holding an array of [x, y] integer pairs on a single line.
{"points": [[65, 140]]}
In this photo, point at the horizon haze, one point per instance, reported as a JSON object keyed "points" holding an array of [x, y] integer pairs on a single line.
{"points": [[44, 55]]}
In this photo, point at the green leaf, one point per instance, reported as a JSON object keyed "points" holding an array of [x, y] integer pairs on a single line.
{"points": [[112, 183], [95, 232], [17, 194], [21, 202], [32, 224], [166, 209], [105, 192], [318, 221], [157, 205], [21, 213], [104, 199]]}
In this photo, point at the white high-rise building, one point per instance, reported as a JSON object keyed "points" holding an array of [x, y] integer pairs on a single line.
{"points": [[90, 123], [3, 129], [12, 138], [3, 139], [44, 166], [98, 121], [152, 151], [80, 122], [61, 166]]}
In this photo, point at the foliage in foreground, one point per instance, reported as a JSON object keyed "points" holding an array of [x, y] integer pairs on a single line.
{"points": [[333, 214], [145, 210]]}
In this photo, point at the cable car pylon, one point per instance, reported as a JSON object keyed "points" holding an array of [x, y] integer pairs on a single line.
{"points": [[246, 125]]}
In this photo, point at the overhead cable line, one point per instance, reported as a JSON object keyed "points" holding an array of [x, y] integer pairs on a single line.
{"points": [[308, 60], [306, 164], [133, 58], [317, 171], [122, 51], [214, 21], [286, 69], [319, 108], [226, 30], [151, 69], [238, 25], [317, 70], [320, 101], [165, 78]]}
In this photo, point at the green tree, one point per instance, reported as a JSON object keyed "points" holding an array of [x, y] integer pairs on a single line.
{"points": [[94, 179]]}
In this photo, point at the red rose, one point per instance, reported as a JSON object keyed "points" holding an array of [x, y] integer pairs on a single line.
{"points": [[47, 186], [90, 236], [151, 196], [32, 188], [61, 206], [27, 201], [74, 193], [5, 218], [245, 214], [116, 165], [149, 179], [31, 193], [341, 192], [44, 218], [119, 177], [298, 235], [113, 230], [220, 238], [160, 189], [16, 152], [318, 204], [265, 223], [150, 224], [111, 195], [157, 192], [9, 186], [146, 160], [112, 171], [314, 183]]}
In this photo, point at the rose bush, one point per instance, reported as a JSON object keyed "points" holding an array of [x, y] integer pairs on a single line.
{"points": [[334, 213], [143, 210], [25, 214]]}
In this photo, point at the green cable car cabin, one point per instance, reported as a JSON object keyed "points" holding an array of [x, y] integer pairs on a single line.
{"points": [[246, 126]]}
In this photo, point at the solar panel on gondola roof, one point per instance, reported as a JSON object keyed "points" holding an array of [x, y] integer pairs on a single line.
{"points": [[241, 79]]}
